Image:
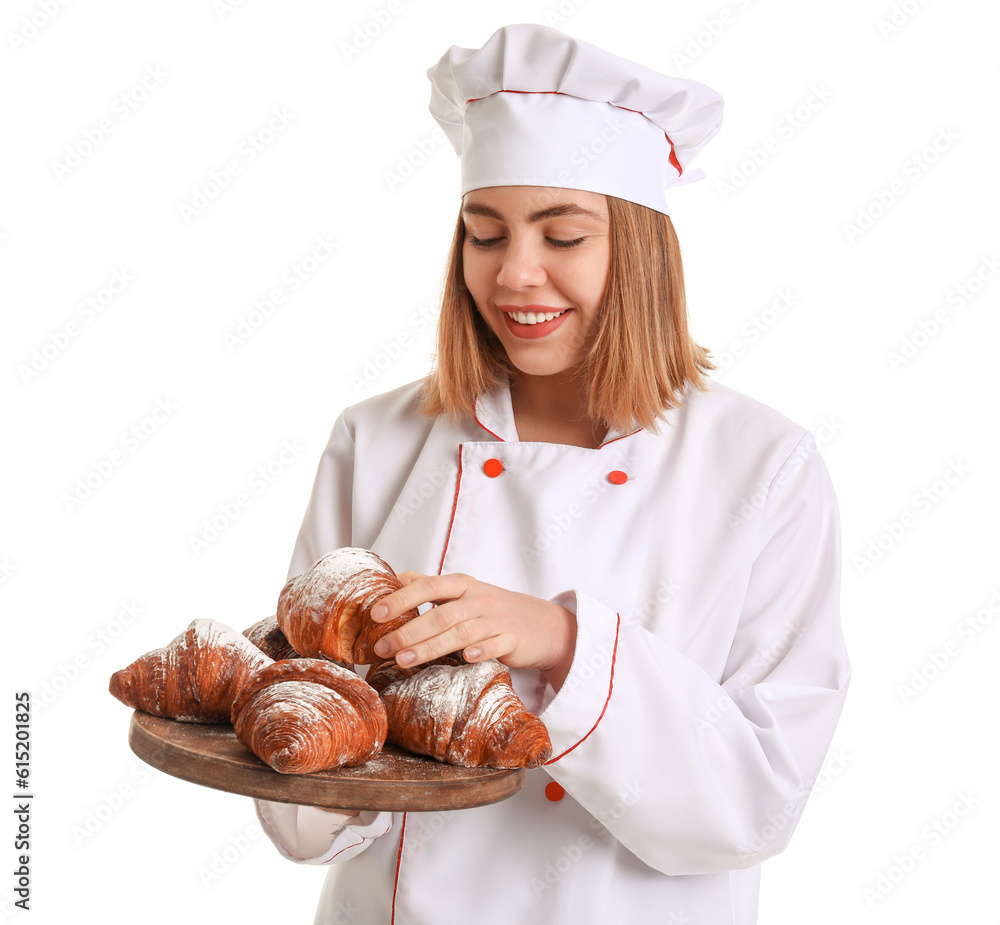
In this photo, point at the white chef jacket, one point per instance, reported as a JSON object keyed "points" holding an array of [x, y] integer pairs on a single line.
{"points": [[703, 566]]}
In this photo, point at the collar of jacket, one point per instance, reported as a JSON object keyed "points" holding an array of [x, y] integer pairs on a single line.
{"points": [[495, 414]]}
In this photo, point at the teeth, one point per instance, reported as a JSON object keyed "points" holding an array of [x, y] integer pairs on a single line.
{"points": [[532, 318]]}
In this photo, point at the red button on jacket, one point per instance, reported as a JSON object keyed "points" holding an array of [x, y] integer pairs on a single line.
{"points": [[492, 467], [617, 477]]}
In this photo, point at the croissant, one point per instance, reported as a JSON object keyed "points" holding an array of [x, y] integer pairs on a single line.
{"points": [[267, 636], [326, 611], [194, 678], [466, 715], [386, 671], [303, 715]]}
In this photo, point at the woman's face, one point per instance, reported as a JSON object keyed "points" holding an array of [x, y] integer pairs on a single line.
{"points": [[530, 252]]}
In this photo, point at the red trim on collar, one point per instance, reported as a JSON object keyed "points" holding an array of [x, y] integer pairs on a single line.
{"points": [[619, 437], [484, 427], [501, 439], [673, 155]]}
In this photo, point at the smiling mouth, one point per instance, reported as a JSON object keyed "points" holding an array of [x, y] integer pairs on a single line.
{"points": [[534, 317]]}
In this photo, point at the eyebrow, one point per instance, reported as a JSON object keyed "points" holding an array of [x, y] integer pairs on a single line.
{"points": [[559, 211]]}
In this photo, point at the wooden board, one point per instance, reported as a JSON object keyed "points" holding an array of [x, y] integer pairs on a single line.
{"points": [[395, 780]]}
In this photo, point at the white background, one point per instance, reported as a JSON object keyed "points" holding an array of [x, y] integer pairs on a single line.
{"points": [[116, 839]]}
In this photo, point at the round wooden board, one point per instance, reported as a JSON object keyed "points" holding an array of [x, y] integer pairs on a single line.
{"points": [[394, 780]]}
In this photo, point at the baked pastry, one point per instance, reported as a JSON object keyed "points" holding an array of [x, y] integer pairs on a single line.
{"points": [[266, 635], [306, 714], [326, 611], [466, 715], [386, 671], [194, 678]]}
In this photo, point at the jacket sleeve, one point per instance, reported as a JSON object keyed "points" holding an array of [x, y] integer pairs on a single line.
{"points": [[310, 834], [313, 835], [693, 775], [328, 521]]}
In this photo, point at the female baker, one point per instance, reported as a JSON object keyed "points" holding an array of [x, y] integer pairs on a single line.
{"points": [[656, 558]]}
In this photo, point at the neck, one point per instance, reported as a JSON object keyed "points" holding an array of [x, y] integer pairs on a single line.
{"points": [[553, 408]]}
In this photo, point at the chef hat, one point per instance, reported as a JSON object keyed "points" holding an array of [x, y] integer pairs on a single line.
{"points": [[535, 107]]}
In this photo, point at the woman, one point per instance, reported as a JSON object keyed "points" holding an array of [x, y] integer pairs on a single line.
{"points": [[656, 558]]}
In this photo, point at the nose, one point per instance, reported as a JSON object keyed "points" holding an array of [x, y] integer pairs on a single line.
{"points": [[522, 264]]}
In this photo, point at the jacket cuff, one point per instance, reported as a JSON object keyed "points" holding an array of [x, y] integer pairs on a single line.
{"points": [[313, 835], [578, 707]]}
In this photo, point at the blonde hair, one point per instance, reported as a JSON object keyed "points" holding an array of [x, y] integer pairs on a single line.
{"points": [[641, 356]]}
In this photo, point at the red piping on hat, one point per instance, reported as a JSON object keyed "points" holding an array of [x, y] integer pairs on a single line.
{"points": [[673, 155]]}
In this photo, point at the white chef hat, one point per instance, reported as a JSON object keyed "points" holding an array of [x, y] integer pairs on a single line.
{"points": [[536, 107]]}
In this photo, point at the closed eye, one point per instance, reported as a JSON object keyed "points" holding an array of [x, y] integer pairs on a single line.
{"points": [[490, 242], [481, 242]]}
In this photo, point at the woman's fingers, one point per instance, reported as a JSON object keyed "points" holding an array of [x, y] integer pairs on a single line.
{"points": [[475, 648], [481, 620], [410, 643], [437, 632], [424, 589], [493, 647]]}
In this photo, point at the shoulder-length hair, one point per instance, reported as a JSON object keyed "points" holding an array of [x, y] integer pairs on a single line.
{"points": [[640, 356]]}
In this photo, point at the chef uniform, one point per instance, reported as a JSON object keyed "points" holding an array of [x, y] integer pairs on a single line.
{"points": [[702, 564]]}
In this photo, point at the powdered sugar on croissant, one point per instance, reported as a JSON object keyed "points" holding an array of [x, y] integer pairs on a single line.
{"points": [[326, 611], [194, 678], [468, 715], [385, 671], [303, 715], [267, 636]]}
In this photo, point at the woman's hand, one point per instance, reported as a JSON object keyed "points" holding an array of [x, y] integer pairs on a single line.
{"points": [[482, 620]]}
